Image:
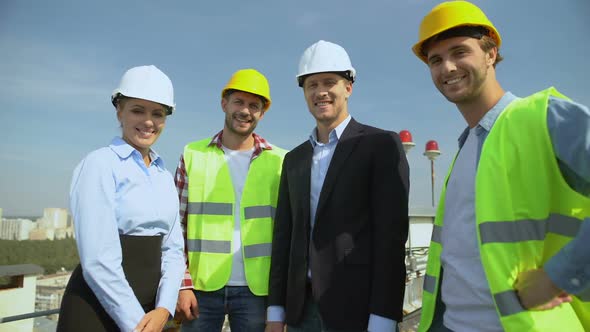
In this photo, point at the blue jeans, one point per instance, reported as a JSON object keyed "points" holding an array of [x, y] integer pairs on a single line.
{"points": [[246, 311]]}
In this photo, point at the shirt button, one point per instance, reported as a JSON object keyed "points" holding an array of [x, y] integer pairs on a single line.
{"points": [[575, 282]]}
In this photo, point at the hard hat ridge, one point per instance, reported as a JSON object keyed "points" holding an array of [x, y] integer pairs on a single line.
{"points": [[148, 83]]}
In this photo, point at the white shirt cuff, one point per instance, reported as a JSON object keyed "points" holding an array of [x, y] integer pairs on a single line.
{"points": [[381, 324], [275, 313]]}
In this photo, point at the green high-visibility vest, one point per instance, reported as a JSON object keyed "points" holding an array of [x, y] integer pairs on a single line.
{"points": [[525, 213], [210, 222]]}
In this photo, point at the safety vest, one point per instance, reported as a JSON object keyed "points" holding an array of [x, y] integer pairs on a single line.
{"points": [[210, 210], [525, 213]]}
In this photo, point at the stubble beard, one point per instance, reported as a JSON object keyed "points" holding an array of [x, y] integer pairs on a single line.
{"points": [[247, 133], [473, 91]]}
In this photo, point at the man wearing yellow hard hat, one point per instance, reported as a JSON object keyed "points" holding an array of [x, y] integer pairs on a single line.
{"points": [[511, 230], [228, 187]]}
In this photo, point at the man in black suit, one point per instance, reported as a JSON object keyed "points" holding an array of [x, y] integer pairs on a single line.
{"points": [[338, 256]]}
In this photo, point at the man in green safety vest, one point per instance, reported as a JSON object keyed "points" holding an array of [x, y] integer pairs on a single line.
{"points": [[228, 186], [515, 196]]}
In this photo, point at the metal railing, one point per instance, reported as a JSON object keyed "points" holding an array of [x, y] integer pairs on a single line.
{"points": [[29, 315]]}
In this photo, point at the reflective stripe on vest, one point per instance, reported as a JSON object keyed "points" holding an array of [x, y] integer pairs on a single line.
{"points": [[528, 230], [257, 250], [430, 283], [262, 211], [436, 234], [214, 209], [224, 247], [508, 303], [210, 246]]}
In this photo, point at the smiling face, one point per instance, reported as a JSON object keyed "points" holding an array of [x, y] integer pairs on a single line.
{"points": [[242, 111], [142, 122], [460, 69], [327, 97]]}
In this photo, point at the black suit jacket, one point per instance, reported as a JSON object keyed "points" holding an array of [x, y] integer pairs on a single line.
{"points": [[357, 250]]}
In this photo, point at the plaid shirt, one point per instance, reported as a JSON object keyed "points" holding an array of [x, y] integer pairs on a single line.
{"points": [[181, 180]]}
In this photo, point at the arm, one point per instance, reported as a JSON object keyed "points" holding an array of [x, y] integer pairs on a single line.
{"points": [[92, 201], [390, 184], [172, 271], [173, 268], [186, 306], [564, 274], [181, 182], [280, 252], [569, 270]]}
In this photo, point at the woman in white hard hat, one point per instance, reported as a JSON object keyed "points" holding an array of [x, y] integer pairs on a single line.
{"points": [[125, 209]]}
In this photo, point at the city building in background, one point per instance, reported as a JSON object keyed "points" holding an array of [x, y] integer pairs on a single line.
{"points": [[50, 291], [55, 224], [15, 229], [53, 218]]}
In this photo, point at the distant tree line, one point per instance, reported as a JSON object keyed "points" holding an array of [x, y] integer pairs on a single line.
{"points": [[50, 255]]}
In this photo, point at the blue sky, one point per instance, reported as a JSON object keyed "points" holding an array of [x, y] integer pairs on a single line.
{"points": [[61, 60]]}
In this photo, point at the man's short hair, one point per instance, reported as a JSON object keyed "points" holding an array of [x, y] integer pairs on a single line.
{"points": [[474, 31], [229, 92]]}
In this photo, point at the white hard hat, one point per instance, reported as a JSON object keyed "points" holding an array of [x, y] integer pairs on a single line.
{"points": [[148, 83], [323, 57]]}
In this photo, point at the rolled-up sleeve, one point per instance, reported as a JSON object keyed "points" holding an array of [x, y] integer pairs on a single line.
{"points": [[569, 128], [569, 269]]}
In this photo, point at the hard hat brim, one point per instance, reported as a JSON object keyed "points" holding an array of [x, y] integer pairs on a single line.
{"points": [[418, 48], [116, 95], [347, 74]]}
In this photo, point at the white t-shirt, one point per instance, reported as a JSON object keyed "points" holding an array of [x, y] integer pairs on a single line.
{"points": [[238, 163]]}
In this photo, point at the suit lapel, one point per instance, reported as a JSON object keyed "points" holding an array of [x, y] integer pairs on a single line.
{"points": [[344, 148], [303, 177]]}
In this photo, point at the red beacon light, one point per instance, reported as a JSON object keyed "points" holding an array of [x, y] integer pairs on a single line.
{"points": [[406, 138], [432, 151]]}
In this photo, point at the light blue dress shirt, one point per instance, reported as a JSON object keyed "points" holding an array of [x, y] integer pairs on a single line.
{"points": [[320, 162], [569, 126], [465, 290], [112, 193], [322, 156], [569, 129]]}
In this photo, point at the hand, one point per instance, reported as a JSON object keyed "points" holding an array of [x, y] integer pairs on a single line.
{"points": [[186, 305], [274, 327], [153, 321], [536, 291]]}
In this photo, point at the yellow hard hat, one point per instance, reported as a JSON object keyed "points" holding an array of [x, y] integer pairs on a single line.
{"points": [[252, 81], [452, 14]]}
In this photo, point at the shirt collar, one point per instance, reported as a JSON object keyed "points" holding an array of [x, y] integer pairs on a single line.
{"points": [[124, 150], [487, 122], [335, 133], [260, 144]]}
